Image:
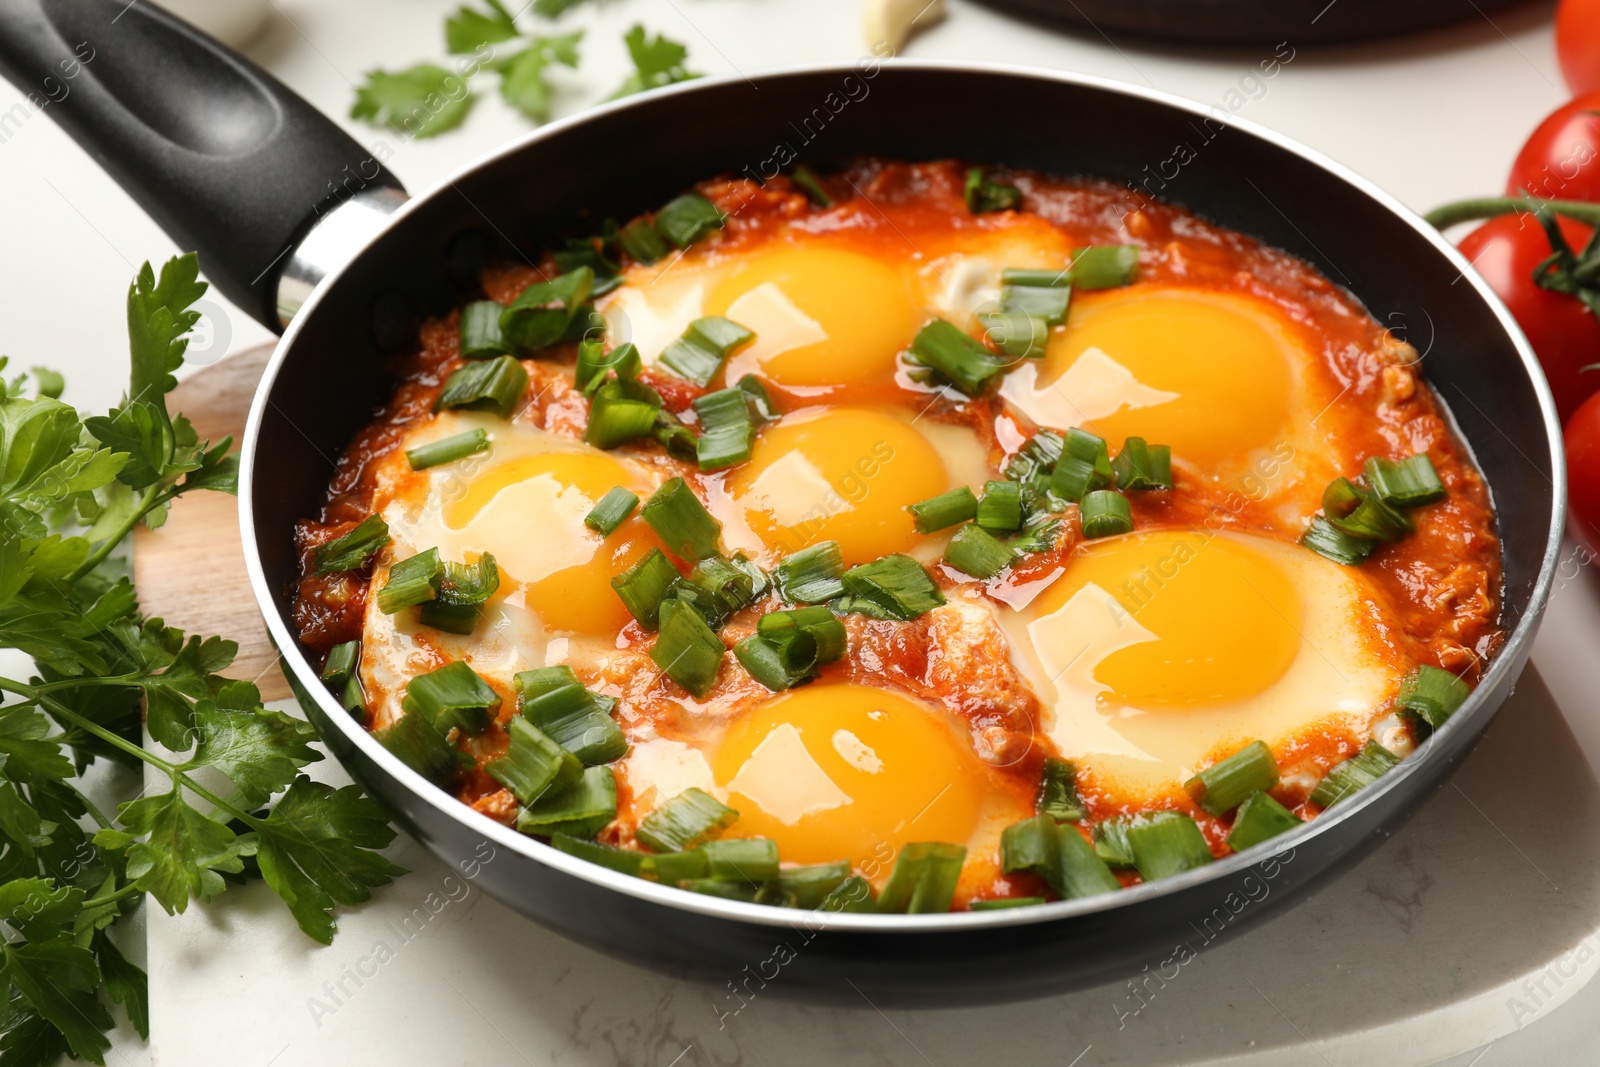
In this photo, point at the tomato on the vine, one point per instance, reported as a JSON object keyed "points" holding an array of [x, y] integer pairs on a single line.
{"points": [[1564, 333], [1578, 44], [1561, 159], [1582, 438]]}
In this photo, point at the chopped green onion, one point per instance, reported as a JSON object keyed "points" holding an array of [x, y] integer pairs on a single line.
{"points": [[415, 742], [811, 575], [1003, 903], [1104, 266], [581, 811], [1038, 455], [1166, 843], [1228, 783], [854, 894], [777, 664], [623, 860], [1407, 483], [726, 429], [688, 218], [807, 887], [894, 587], [1058, 791], [575, 717], [671, 434], [1341, 498], [698, 355], [1322, 538], [1353, 774], [534, 765], [341, 664], [1017, 334], [641, 241], [730, 586], [953, 354], [590, 252], [946, 509], [1427, 694], [1373, 520], [1040, 537], [454, 697], [816, 621], [984, 195], [691, 818], [542, 312], [411, 581], [760, 400], [463, 591], [1036, 279], [748, 892], [594, 362], [1084, 466], [485, 385], [1058, 854], [975, 551], [1046, 306], [1143, 466], [1258, 819], [612, 510], [448, 450], [645, 585], [687, 650], [621, 410], [1104, 513], [671, 868], [480, 331], [1000, 508], [924, 878], [788, 646], [681, 521], [742, 859], [807, 182], [1175, 845], [353, 549]]}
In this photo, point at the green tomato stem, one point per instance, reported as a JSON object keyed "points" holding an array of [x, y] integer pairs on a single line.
{"points": [[1492, 206]]}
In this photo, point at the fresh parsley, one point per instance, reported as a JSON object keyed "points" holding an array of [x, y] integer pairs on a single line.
{"points": [[235, 802], [427, 99], [656, 63]]}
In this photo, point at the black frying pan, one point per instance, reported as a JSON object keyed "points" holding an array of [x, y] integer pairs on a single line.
{"points": [[1240, 22], [289, 213]]}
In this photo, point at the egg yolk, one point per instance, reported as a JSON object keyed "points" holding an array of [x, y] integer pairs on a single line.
{"points": [[1206, 373], [838, 474], [823, 317], [1170, 619], [528, 512], [835, 771]]}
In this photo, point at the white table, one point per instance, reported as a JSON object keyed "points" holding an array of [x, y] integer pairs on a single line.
{"points": [[1431, 118]]}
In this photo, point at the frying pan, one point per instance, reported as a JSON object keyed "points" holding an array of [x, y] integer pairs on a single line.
{"points": [[1239, 22], [305, 230]]}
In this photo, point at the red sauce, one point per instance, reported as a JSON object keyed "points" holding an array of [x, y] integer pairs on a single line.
{"points": [[1441, 584]]}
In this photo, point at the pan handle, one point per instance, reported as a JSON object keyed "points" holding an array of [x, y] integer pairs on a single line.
{"points": [[222, 155]]}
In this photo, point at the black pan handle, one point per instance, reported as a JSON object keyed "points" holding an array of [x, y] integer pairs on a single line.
{"points": [[221, 154]]}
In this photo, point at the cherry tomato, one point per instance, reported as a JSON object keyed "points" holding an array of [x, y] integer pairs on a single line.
{"points": [[1583, 473], [1564, 334], [1578, 44], [1561, 160]]}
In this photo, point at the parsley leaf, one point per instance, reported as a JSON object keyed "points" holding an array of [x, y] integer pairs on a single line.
{"points": [[185, 852], [656, 62], [522, 76], [318, 849], [423, 101], [468, 29], [260, 751], [551, 9], [59, 979]]}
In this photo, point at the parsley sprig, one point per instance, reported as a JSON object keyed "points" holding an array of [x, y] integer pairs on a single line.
{"points": [[427, 99], [71, 490]]}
